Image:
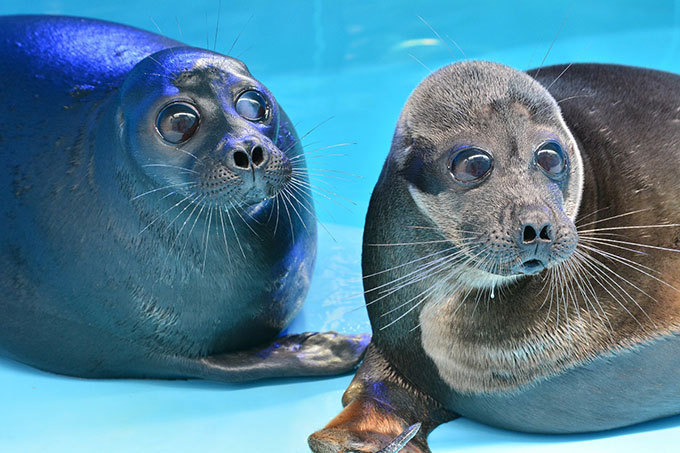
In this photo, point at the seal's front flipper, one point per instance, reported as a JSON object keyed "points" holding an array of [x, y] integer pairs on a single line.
{"points": [[297, 355], [380, 415]]}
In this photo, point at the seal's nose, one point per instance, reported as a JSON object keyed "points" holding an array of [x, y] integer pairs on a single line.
{"points": [[534, 237], [247, 156], [532, 233]]}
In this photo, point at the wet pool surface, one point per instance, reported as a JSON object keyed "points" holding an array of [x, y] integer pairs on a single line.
{"points": [[353, 64]]}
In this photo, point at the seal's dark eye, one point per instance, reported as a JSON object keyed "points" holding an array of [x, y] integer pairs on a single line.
{"points": [[471, 165], [251, 105], [551, 159], [177, 122]]}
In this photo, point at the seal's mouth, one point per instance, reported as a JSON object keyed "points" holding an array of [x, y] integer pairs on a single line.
{"points": [[531, 267]]}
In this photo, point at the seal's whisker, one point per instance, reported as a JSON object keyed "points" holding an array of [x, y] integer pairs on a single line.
{"points": [[632, 227], [304, 183], [409, 262], [437, 241], [302, 194], [581, 279], [424, 295], [179, 29], [561, 297], [582, 218], [295, 142], [290, 219], [430, 269], [239, 34], [457, 47], [421, 63], [601, 278], [568, 98], [191, 202], [163, 213], [329, 170], [183, 184], [423, 227], [238, 213], [286, 193], [233, 229], [607, 274], [307, 153], [597, 241], [426, 268], [568, 66], [428, 290], [196, 203], [316, 189], [318, 176], [572, 275], [191, 230], [553, 41], [171, 166], [224, 235], [320, 156], [160, 64], [637, 244], [629, 263], [190, 155], [208, 223], [439, 37], [426, 271], [217, 24], [618, 216], [276, 225], [250, 216]]}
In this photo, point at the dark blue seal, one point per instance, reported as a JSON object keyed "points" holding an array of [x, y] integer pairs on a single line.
{"points": [[157, 219]]}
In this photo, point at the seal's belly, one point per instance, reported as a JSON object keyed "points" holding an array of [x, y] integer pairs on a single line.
{"points": [[617, 389]]}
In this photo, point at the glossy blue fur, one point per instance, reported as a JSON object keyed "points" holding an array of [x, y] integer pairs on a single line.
{"points": [[86, 290]]}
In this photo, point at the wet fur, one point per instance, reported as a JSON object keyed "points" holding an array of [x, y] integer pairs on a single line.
{"points": [[604, 360], [121, 255]]}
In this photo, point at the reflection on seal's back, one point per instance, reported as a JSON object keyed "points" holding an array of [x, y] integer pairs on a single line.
{"points": [[157, 218], [521, 256]]}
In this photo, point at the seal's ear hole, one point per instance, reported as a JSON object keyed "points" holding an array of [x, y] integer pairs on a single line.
{"points": [[177, 122]]}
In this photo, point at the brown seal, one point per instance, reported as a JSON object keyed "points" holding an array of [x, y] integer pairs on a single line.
{"points": [[519, 257]]}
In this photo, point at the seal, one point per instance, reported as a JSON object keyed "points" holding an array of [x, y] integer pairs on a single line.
{"points": [[157, 219], [520, 257]]}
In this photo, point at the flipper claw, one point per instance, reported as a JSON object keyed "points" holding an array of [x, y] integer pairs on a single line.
{"points": [[401, 440]]}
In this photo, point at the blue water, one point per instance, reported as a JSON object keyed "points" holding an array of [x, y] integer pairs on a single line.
{"points": [[348, 62]]}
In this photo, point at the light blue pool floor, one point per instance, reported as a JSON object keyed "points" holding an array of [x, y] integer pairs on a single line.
{"points": [[41, 412]]}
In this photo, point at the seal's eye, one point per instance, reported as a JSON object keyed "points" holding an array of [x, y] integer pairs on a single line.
{"points": [[177, 122], [471, 165], [551, 159], [251, 105]]}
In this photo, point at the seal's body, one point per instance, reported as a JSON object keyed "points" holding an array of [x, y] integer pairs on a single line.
{"points": [[520, 261], [149, 227]]}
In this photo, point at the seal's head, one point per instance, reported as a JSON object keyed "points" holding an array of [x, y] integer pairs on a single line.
{"points": [[488, 159], [199, 123]]}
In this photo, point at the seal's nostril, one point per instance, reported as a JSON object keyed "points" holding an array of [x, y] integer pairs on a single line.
{"points": [[241, 159], [258, 155], [529, 234], [546, 233]]}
